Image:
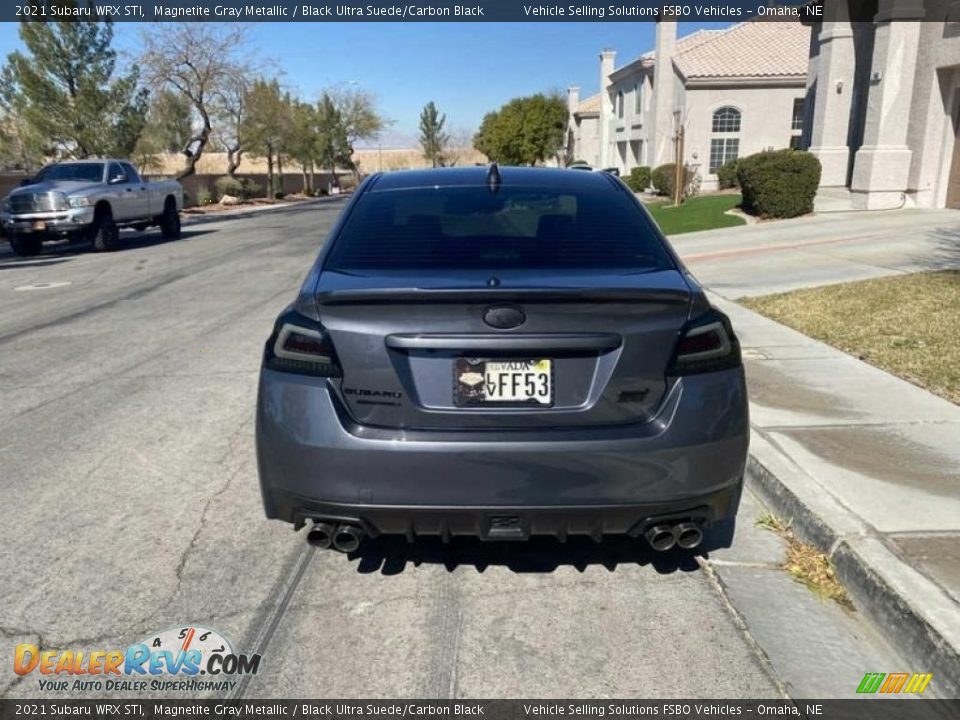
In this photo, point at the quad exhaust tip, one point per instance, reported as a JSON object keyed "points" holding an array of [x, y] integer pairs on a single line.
{"points": [[660, 537], [321, 535], [684, 535], [347, 538], [688, 535]]}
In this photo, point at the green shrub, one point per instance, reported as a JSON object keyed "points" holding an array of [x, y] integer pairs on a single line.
{"points": [[779, 184], [663, 179], [227, 185], [251, 189], [204, 196], [639, 179], [727, 175]]}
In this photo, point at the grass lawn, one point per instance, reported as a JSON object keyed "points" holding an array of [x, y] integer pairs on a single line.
{"points": [[908, 325], [705, 212]]}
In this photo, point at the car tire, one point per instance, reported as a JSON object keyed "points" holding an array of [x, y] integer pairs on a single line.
{"points": [[105, 235], [25, 246], [170, 221]]}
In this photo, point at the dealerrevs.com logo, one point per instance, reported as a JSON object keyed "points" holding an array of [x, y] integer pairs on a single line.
{"points": [[190, 659]]}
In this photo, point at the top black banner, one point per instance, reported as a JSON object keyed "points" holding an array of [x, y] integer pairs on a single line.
{"points": [[812, 11]]}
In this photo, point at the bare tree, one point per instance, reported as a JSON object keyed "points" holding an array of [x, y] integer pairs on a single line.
{"points": [[229, 110], [201, 61]]}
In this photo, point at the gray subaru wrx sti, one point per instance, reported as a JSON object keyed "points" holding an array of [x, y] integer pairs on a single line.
{"points": [[500, 352]]}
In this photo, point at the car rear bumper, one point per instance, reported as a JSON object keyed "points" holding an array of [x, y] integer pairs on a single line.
{"points": [[314, 462]]}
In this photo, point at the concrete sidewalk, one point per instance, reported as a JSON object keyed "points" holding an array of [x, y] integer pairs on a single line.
{"points": [[783, 255], [867, 466]]}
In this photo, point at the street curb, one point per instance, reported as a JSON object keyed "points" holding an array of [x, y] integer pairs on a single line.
{"points": [[909, 610], [257, 210]]}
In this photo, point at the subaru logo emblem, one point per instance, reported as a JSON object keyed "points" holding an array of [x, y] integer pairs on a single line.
{"points": [[504, 318]]}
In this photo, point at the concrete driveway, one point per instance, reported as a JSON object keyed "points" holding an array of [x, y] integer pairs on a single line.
{"points": [[131, 505], [830, 248]]}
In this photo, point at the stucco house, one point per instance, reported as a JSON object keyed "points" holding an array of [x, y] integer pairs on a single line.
{"points": [[736, 91], [884, 102]]}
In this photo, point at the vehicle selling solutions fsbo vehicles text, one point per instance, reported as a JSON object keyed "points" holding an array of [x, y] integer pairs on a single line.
{"points": [[627, 10]]}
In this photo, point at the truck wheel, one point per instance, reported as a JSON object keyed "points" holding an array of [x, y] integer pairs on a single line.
{"points": [[170, 221], [26, 246], [105, 234]]}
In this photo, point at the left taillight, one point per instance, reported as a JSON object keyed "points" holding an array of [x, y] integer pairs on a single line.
{"points": [[705, 344], [300, 345]]}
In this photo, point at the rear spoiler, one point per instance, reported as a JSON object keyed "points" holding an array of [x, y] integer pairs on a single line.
{"points": [[378, 296]]}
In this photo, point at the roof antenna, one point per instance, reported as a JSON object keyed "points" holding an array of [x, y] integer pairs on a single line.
{"points": [[493, 177]]}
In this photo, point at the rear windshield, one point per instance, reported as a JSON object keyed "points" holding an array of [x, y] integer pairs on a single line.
{"points": [[473, 228], [92, 172]]}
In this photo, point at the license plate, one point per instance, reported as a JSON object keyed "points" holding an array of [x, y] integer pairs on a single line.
{"points": [[39, 225], [484, 381]]}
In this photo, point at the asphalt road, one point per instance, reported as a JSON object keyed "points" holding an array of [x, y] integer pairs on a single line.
{"points": [[130, 504]]}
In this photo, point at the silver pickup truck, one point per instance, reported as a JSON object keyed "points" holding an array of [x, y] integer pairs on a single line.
{"points": [[88, 200]]}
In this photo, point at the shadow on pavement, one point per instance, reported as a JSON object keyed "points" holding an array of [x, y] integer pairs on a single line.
{"points": [[148, 239], [392, 555], [65, 250], [946, 254], [9, 263]]}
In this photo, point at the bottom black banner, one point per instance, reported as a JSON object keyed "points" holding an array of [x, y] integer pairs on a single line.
{"points": [[874, 708]]}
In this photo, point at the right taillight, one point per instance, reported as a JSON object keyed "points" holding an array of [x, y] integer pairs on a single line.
{"points": [[300, 345], [705, 344]]}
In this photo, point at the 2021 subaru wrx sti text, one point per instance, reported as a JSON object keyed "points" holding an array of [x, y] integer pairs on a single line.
{"points": [[500, 352]]}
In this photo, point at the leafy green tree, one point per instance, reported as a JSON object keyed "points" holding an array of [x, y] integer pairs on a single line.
{"points": [[333, 142], [525, 131], [358, 111], [168, 128], [266, 125], [433, 138], [20, 145], [302, 143], [64, 87]]}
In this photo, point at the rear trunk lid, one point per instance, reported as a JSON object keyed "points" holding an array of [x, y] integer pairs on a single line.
{"points": [[497, 350]]}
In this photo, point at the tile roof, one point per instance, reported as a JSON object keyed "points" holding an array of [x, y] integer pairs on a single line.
{"points": [[688, 42], [750, 49], [590, 104]]}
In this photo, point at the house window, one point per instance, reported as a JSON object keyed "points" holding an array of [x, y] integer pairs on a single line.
{"points": [[796, 124], [726, 119], [725, 145], [620, 104], [638, 99], [722, 151]]}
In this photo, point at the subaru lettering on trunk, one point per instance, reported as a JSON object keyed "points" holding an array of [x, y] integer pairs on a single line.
{"points": [[590, 390]]}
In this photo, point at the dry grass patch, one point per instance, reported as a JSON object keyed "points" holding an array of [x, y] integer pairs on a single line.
{"points": [[807, 565], [908, 325]]}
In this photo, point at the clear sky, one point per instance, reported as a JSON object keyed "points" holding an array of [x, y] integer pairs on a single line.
{"points": [[467, 69]]}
